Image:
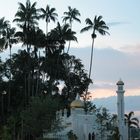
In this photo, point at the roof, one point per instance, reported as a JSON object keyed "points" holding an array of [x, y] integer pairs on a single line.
{"points": [[77, 103], [120, 82]]}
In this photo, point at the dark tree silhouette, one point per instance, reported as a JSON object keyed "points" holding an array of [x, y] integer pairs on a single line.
{"points": [[48, 14], [132, 122], [71, 15]]}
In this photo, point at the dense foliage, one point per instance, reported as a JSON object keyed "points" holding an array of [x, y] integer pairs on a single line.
{"points": [[30, 79], [42, 77]]}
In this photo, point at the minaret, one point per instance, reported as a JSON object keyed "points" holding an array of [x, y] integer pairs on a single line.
{"points": [[120, 108]]}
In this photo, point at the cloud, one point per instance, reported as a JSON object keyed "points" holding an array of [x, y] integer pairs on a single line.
{"points": [[100, 93], [132, 92], [111, 102], [106, 92], [103, 84], [132, 49], [131, 104], [109, 65], [115, 23]]}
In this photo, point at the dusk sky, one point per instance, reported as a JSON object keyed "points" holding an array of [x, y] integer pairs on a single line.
{"points": [[115, 56]]}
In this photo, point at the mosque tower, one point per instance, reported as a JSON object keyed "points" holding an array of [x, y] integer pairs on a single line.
{"points": [[120, 108]]}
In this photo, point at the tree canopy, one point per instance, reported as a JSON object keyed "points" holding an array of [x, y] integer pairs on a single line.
{"points": [[30, 79]]}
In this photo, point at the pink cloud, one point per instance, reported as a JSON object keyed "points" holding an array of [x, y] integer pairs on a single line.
{"points": [[134, 48], [101, 93]]}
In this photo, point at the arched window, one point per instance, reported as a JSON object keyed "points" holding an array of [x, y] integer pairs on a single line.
{"points": [[93, 136], [89, 136], [120, 88]]}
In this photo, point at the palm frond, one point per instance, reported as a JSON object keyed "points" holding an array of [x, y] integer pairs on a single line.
{"points": [[130, 114], [86, 29], [2, 44], [77, 19], [65, 19], [99, 18], [88, 21], [103, 32], [134, 124], [71, 15], [135, 119]]}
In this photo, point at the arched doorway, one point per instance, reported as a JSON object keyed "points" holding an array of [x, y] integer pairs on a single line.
{"points": [[89, 136], [93, 136]]}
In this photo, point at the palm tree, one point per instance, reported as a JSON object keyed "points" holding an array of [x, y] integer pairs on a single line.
{"points": [[71, 15], [97, 25], [3, 25], [26, 18], [56, 40], [61, 34], [48, 14], [27, 15], [8, 39], [132, 122]]}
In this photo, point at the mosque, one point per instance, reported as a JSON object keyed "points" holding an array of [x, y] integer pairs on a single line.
{"points": [[85, 126]]}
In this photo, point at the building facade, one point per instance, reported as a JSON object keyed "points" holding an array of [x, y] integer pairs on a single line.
{"points": [[85, 126]]}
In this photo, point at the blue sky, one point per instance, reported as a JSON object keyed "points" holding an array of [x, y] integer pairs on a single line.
{"points": [[116, 56]]}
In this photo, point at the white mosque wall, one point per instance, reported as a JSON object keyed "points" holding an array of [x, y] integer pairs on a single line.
{"points": [[83, 124]]}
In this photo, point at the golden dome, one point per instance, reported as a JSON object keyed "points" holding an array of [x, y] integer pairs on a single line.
{"points": [[77, 104]]}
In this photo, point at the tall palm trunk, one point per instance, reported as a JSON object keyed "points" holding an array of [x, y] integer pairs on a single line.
{"points": [[129, 133], [9, 97], [68, 47], [25, 91], [90, 66], [22, 131], [38, 78], [91, 58], [29, 85], [46, 38], [69, 41], [37, 84], [2, 106], [46, 28]]}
